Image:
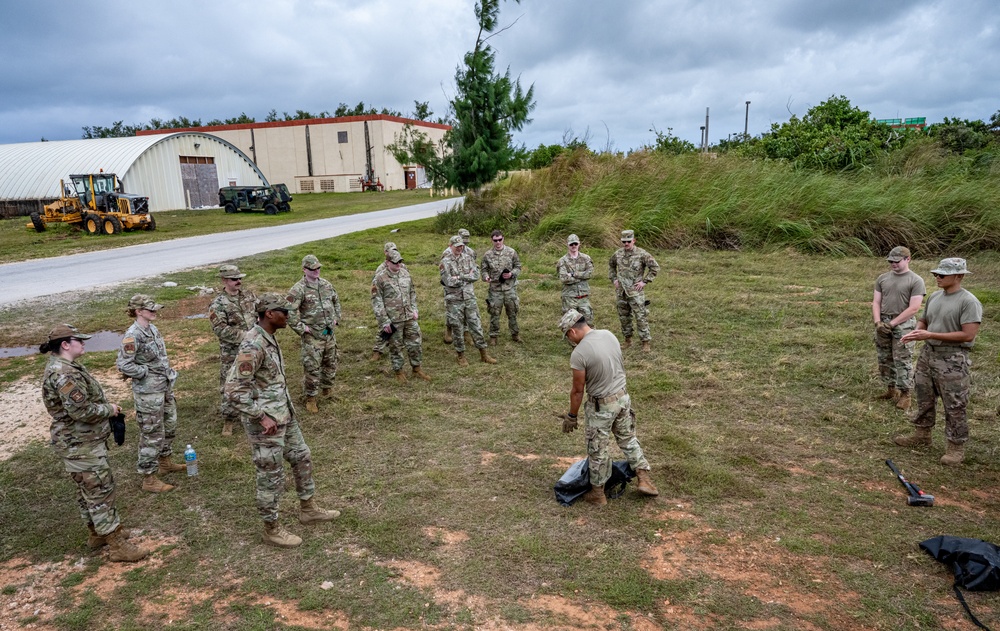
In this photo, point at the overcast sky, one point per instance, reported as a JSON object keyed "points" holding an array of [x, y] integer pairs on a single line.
{"points": [[613, 70]]}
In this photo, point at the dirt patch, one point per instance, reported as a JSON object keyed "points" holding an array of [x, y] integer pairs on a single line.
{"points": [[23, 417], [447, 537]]}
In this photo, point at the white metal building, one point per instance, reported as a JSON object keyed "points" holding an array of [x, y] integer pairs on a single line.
{"points": [[175, 170]]}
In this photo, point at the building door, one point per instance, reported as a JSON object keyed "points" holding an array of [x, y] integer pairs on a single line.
{"points": [[200, 180], [411, 179]]}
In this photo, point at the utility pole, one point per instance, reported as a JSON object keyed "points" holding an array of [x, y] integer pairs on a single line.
{"points": [[702, 137], [706, 129], [746, 121]]}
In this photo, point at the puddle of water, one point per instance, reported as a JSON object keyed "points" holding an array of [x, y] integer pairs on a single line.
{"points": [[101, 341]]}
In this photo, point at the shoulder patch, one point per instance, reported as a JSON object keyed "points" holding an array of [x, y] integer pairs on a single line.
{"points": [[128, 345], [67, 387], [212, 316], [77, 396], [290, 298], [245, 368]]}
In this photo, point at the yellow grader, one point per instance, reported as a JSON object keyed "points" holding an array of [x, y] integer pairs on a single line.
{"points": [[95, 205]]}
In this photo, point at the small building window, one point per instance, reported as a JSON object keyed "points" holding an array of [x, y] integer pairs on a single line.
{"points": [[197, 159], [326, 185], [307, 186], [354, 183], [342, 137]]}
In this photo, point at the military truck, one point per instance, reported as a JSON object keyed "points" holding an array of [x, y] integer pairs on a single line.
{"points": [[271, 199], [96, 204]]}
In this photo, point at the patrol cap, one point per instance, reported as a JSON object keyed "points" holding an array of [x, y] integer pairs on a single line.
{"points": [[271, 302], [456, 240], [947, 267], [230, 271], [462, 232], [628, 235], [569, 319], [898, 253], [142, 301], [389, 245], [572, 240], [61, 331], [394, 256], [309, 261]]}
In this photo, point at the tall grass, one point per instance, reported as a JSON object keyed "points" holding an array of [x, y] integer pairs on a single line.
{"points": [[933, 203]]}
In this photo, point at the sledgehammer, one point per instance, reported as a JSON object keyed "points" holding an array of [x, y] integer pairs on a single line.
{"points": [[917, 497]]}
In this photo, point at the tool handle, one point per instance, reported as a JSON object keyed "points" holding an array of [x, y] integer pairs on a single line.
{"points": [[909, 486], [892, 466]]}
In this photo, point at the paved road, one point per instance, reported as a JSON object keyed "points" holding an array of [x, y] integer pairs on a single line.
{"points": [[45, 277]]}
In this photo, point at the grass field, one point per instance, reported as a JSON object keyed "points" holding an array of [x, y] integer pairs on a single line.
{"points": [[22, 243], [755, 409]]}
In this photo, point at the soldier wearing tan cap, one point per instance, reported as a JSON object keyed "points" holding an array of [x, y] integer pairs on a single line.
{"points": [[314, 313], [895, 303], [630, 269], [231, 315]]}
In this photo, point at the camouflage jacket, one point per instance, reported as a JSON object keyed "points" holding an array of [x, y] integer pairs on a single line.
{"points": [[467, 250], [495, 262], [79, 411], [143, 357], [256, 384], [457, 275], [574, 274], [316, 306], [628, 268], [232, 317], [394, 299]]}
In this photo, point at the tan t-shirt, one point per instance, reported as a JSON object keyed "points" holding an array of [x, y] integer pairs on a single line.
{"points": [[897, 289], [600, 355], [946, 313]]}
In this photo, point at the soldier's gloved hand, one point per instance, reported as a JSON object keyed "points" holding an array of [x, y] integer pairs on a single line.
{"points": [[884, 329], [569, 422]]}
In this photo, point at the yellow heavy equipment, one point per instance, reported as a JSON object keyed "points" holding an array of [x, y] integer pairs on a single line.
{"points": [[95, 204]]}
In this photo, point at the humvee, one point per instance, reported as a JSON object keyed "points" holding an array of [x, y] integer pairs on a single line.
{"points": [[270, 199]]}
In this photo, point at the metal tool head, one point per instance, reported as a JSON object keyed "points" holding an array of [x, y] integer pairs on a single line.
{"points": [[922, 500]]}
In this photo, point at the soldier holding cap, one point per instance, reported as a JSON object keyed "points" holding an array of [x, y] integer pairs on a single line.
{"points": [[599, 370], [500, 268], [381, 344], [630, 269], [256, 387], [80, 428], [394, 301], [896, 301], [314, 313], [466, 237], [949, 325], [458, 273], [231, 314], [575, 270], [143, 358]]}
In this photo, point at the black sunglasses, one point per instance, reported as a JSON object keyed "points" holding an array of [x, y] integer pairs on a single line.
{"points": [[498, 240], [939, 275]]}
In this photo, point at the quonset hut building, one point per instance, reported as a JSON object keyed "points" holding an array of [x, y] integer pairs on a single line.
{"points": [[175, 170]]}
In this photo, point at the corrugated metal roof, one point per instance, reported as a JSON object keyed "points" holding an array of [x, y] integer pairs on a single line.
{"points": [[32, 170]]}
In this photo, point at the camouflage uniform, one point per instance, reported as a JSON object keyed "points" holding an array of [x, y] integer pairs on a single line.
{"points": [[894, 292], [381, 344], [256, 386], [394, 300], [503, 292], [317, 306], [143, 357], [79, 433], [469, 251], [458, 273], [628, 268], [231, 317], [574, 274]]}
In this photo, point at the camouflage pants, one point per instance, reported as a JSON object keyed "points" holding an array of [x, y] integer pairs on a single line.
{"points": [[226, 359], [943, 372], [268, 453], [156, 415], [464, 314], [629, 306], [581, 304], [380, 344], [407, 334], [496, 302], [616, 419], [319, 362], [895, 359], [95, 492]]}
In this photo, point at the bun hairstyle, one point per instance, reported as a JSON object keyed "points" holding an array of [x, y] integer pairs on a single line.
{"points": [[53, 346], [132, 313]]}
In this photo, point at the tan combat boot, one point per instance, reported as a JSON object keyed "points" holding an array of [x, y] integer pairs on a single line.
{"points": [[628, 343], [891, 394], [311, 405], [154, 484], [462, 361], [903, 402], [485, 357], [646, 486], [309, 512], [921, 436], [954, 454], [276, 535], [227, 428], [400, 376], [121, 550], [595, 495], [448, 339], [376, 356], [95, 541], [646, 347], [516, 337], [493, 341], [166, 466], [418, 372]]}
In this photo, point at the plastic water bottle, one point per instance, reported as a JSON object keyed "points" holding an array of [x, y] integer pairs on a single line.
{"points": [[191, 459]]}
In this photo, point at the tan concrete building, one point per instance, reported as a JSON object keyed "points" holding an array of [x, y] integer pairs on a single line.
{"points": [[326, 154]]}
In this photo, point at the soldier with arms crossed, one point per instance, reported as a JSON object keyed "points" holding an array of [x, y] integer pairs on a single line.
{"points": [[314, 313], [231, 314], [575, 270]]}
